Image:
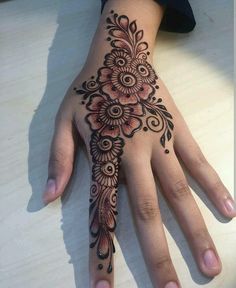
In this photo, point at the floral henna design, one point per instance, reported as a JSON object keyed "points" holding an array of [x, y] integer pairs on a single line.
{"points": [[120, 100]]}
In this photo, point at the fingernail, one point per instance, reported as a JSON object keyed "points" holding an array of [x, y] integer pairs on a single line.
{"points": [[103, 284], [171, 285], [230, 205], [50, 189], [210, 259]]}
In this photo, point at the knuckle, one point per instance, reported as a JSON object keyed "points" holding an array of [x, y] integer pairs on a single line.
{"points": [[179, 190], [200, 235], [197, 159], [216, 185], [147, 208], [130, 158], [163, 262]]}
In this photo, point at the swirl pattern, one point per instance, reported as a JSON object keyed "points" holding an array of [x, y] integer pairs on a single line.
{"points": [[116, 59], [154, 123]]}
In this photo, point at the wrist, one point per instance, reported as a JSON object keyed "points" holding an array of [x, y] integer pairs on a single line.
{"points": [[147, 14], [125, 71]]}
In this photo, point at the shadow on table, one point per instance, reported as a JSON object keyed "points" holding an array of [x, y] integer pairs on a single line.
{"points": [[66, 57]]}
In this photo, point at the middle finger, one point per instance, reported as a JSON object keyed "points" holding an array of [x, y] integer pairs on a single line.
{"points": [[147, 218]]}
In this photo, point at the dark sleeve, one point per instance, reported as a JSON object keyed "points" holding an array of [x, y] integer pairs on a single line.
{"points": [[178, 16]]}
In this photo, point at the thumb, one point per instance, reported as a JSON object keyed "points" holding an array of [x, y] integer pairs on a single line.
{"points": [[61, 158]]}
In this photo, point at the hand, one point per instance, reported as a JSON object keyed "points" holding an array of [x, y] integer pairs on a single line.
{"points": [[129, 122]]}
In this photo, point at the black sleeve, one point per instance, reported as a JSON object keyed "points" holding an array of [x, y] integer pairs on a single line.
{"points": [[178, 16]]}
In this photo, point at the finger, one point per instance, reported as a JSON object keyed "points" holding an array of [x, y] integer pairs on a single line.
{"points": [[105, 152], [178, 194], [147, 219], [61, 154], [193, 158], [102, 220]]}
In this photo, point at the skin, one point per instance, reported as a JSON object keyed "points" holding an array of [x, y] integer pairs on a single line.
{"points": [[139, 172]]}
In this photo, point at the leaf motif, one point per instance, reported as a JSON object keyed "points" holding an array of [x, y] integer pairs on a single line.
{"points": [[152, 111], [171, 125], [133, 27], [120, 44], [118, 34], [109, 269], [139, 35], [84, 85], [108, 20], [80, 92], [162, 107], [141, 47], [167, 114], [168, 134], [163, 140], [124, 22]]}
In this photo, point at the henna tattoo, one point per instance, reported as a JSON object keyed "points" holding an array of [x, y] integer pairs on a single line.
{"points": [[120, 101]]}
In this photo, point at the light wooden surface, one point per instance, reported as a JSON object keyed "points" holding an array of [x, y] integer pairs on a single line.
{"points": [[43, 45]]}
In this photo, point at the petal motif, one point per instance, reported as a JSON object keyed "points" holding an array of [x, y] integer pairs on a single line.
{"points": [[131, 126], [110, 218], [107, 89], [94, 226], [107, 131], [116, 94], [103, 245], [137, 110], [92, 119], [146, 91], [124, 100], [104, 74], [95, 102]]}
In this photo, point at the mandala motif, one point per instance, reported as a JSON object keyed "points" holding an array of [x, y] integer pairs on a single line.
{"points": [[105, 148], [120, 100], [106, 173], [145, 70]]}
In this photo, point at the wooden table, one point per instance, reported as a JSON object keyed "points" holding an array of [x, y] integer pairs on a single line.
{"points": [[43, 45]]}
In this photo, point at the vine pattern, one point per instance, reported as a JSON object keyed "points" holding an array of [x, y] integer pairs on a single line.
{"points": [[120, 100]]}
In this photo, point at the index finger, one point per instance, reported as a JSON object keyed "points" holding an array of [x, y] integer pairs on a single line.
{"points": [[105, 152]]}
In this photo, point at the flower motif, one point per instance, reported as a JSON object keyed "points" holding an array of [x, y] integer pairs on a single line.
{"points": [[144, 69], [110, 117], [105, 148], [117, 59], [124, 84], [106, 173]]}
